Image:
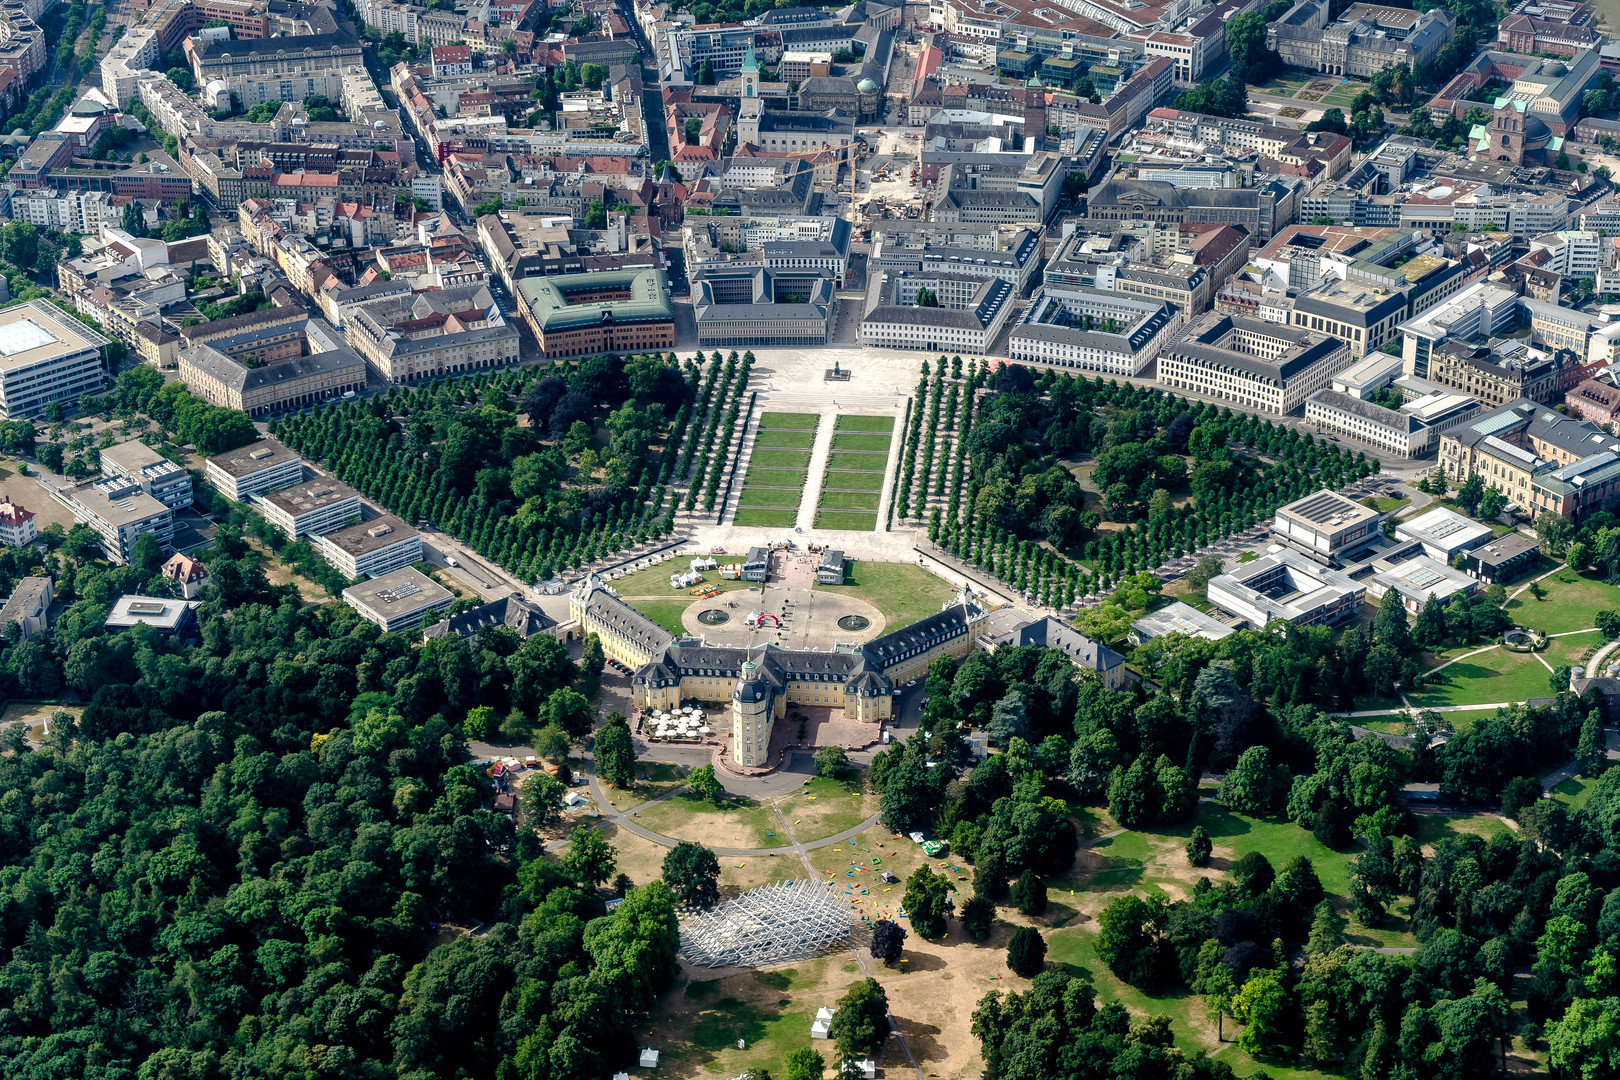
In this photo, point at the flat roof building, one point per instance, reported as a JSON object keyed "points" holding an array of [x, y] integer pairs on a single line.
{"points": [[1499, 561], [159, 477], [372, 548], [1178, 618], [45, 355], [1415, 580], [1443, 533], [119, 512], [168, 616], [1327, 526], [254, 469], [1394, 431], [1285, 585], [1093, 330], [398, 601], [311, 507]]}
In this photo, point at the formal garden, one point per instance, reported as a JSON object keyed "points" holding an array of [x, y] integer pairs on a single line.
{"points": [[852, 486], [774, 484]]}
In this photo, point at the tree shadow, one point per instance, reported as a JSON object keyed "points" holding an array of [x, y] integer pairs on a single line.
{"points": [[918, 961], [923, 1040]]}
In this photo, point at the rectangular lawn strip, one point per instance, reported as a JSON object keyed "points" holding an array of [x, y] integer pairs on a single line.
{"points": [[852, 481], [792, 421], [842, 441], [771, 519], [903, 591], [1572, 603], [864, 423], [771, 458], [844, 519], [775, 478], [864, 462], [1494, 676], [850, 500], [764, 496], [797, 440]]}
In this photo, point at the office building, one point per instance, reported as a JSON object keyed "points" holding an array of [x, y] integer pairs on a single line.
{"points": [[1258, 365], [159, 477], [28, 608], [371, 548], [46, 355], [166, 616], [1283, 584], [1093, 330], [1329, 527], [311, 507], [1178, 618], [615, 311], [1393, 431], [1415, 580], [1443, 533], [965, 314], [254, 469], [1364, 40], [119, 512], [1501, 560], [398, 601]]}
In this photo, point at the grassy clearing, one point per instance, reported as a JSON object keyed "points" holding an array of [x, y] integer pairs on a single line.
{"points": [[846, 519], [1432, 828], [1574, 792], [904, 592], [842, 441], [799, 440], [866, 462], [1497, 675], [771, 458], [856, 481], [1572, 649], [770, 519], [826, 807], [865, 423], [1389, 506], [850, 500], [662, 778], [736, 823], [1572, 603], [763, 496], [800, 421], [793, 478]]}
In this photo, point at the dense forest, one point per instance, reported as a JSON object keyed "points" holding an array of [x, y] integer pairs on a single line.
{"points": [[1548, 897], [246, 856]]}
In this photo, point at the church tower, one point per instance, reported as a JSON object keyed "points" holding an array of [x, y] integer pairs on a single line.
{"points": [[749, 107], [751, 718]]}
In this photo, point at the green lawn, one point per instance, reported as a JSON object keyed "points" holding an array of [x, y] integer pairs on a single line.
{"points": [[1492, 676], [1574, 793], [800, 440], [865, 462], [842, 441], [865, 423], [850, 500], [763, 496], [853, 481], [789, 420], [826, 807], [772, 519], [780, 459], [840, 519], [776, 477], [665, 611], [1389, 506], [904, 592], [1572, 649], [687, 817], [654, 581], [1572, 603]]}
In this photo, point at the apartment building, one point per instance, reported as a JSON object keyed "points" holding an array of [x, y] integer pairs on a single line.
{"points": [[310, 507], [159, 477], [17, 528], [372, 548], [254, 469]]}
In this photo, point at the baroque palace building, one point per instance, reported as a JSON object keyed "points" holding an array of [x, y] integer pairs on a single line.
{"points": [[761, 681]]}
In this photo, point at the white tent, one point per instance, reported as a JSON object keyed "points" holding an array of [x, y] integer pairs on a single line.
{"points": [[649, 1059]]}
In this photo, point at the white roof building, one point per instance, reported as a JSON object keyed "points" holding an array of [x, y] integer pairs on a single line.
{"points": [[1443, 533]]}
